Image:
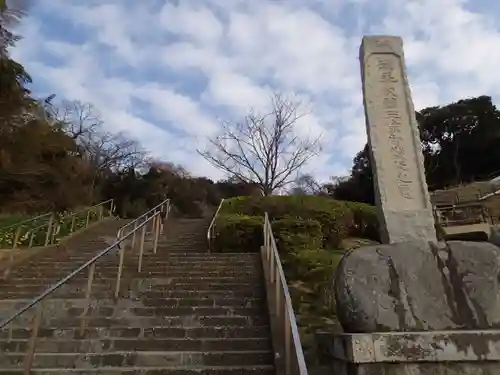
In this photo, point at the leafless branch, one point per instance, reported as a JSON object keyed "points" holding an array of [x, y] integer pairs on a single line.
{"points": [[263, 149]]}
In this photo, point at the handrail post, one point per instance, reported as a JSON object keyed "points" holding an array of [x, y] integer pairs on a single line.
{"points": [[211, 227], [88, 291], [16, 237], [72, 228], [156, 234], [153, 222], [287, 342], [32, 238], [163, 216], [87, 220], [30, 354], [133, 237], [120, 269], [141, 248], [55, 231], [49, 229], [9, 266], [277, 291]]}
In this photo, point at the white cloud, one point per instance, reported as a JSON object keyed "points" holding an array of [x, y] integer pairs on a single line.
{"points": [[182, 112], [167, 74], [237, 92], [194, 21]]}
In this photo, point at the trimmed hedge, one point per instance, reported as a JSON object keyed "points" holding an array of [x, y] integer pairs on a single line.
{"points": [[338, 219], [293, 234], [238, 233]]}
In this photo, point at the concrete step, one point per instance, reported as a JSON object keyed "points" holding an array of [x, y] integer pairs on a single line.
{"points": [[250, 292], [175, 260], [140, 280], [111, 260], [168, 311], [65, 304], [135, 344], [147, 322], [118, 332], [215, 269], [106, 294], [145, 272], [142, 359], [147, 264], [161, 256], [235, 283], [129, 288], [198, 370], [134, 313], [197, 292], [106, 291], [131, 263]]}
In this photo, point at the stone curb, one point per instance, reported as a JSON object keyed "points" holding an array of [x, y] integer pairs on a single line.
{"points": [[408, 347]]}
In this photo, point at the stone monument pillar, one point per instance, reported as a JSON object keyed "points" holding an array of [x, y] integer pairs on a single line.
{"points": [[404, 207], [410, 305]]}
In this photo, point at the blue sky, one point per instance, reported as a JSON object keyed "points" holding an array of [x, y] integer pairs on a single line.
{"points": [[169, 71]]}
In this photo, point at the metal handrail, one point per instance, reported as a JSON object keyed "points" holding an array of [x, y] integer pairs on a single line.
{"points": [[24, 222], [211, 227], [140, 224], [286, 340], [489, 195], [51, 220]]}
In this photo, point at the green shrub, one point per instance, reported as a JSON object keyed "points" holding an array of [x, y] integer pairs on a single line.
{"points": [[336, 217], [296, 234], [316, 269], [238, 233], [365, 221]]}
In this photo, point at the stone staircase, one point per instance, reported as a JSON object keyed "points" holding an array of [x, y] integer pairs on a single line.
{"points": [[187, 312]]}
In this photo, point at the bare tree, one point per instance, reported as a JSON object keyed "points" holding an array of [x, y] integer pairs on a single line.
{"points": [[107, 152], [113, 151], [263, 149], [103, 151], [78, 119], [305, 185]]}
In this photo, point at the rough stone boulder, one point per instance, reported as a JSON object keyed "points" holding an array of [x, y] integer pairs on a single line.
{"points": [[419, 287]]}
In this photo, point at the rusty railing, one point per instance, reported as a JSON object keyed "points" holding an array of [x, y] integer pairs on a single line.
{"points": [[152, 218], [289, 356], [211, 227]]}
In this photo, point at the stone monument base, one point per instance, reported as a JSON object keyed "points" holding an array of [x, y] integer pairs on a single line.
{"points": [[412, 353]]}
